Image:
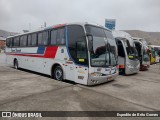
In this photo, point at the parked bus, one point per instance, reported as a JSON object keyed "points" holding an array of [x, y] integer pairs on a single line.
{"points": [[152, 55], [156, 52], [143, 53], [79, 52], [127, 54]]}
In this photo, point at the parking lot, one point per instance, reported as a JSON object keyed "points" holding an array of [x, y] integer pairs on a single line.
{"points": [[22, 90]]}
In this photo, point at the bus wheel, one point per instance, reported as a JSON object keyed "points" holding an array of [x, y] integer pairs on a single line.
{"points": [[15, 64], [58, 73]]}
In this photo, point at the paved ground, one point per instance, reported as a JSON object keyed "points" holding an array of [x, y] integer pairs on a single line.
{"points": [[26, 91]]}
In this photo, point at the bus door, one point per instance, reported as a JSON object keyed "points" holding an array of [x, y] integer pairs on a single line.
{"points": [[78, 71], [82, 60], [70, 70], [121, 56], [77, 49], [139, 50]]}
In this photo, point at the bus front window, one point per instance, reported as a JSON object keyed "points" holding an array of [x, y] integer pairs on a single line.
{"points": [[113, 48], [103, 51], [99, 55], [131, 51]]}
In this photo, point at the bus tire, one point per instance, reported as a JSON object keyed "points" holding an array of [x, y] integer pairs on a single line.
{"points": [[58, 73], [16, 64]]}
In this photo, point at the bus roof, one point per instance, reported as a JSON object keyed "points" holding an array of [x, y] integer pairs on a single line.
{"points": [[136, 38], [59, 25], [154, 46], [122, 34]]}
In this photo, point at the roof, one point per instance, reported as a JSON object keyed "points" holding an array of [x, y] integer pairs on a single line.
{"points": [[2, 39], [122, 34], [59, 25]]}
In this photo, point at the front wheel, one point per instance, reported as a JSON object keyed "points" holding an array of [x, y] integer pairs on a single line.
{"points": [[58, 73]]}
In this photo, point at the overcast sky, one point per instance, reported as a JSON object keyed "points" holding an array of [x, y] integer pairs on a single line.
{"points": [[16, 15]]}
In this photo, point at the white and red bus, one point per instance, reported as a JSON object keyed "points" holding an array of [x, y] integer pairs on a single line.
{"points": [[79, 52]]}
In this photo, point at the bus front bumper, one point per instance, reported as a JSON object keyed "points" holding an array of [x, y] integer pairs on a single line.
{"points": [[95, 80], [130, 71]]}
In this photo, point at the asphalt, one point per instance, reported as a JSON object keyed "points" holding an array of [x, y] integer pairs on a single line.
{"points": [[22, 90]]}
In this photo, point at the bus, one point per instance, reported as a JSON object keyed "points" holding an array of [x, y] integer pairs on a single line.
{"points": [[127, 54], [152, 54], [143, 53], [156, 49], [80, 52]]}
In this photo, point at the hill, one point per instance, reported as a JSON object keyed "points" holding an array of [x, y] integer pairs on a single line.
{"points": [[5, 34], [151, 37]]}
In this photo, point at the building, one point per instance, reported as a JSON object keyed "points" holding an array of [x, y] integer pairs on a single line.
{"points": [[2, 43]]}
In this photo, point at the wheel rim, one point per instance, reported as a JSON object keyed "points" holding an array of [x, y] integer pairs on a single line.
{"points": [[58, 74]]}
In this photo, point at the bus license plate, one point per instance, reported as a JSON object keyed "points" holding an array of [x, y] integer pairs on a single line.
{"points": [[109, 78]]}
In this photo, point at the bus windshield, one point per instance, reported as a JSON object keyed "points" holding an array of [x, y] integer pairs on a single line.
{"points": [[131, 51], [104, 47]]}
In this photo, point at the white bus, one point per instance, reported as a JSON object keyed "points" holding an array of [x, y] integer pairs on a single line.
{"points": [[79, 52], [127, 54], [142, 49]]}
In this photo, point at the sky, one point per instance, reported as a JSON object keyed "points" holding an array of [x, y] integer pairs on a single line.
{"points": [[17, 15]]}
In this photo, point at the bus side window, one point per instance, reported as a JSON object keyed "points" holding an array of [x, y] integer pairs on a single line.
{"points": [[40, 39], [23, 41], [16, 42], [34, 39], [8, 42], [29, 40], [61, 36], [53, 37], [45, 38], [11, 42]]}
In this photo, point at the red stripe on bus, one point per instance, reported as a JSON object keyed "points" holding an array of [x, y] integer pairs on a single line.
{"points": [[58, 26], [49, 53]]}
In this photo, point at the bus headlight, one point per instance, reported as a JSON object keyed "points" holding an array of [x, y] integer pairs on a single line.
{"points": [[96, 74], [129, 65]]}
